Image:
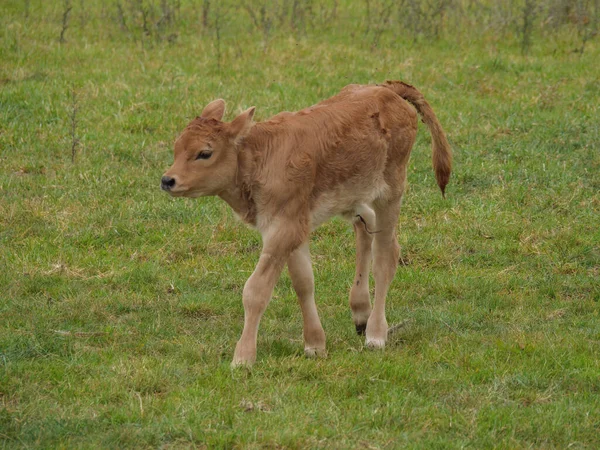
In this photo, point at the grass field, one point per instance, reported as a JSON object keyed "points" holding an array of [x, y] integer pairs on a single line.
{"points": [[120, 307]]}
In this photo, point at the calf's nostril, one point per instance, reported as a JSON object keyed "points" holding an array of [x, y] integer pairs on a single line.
{"points": [[167, 182]]}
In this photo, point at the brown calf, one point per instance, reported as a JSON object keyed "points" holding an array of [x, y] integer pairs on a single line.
{"points": [[345, 156]]}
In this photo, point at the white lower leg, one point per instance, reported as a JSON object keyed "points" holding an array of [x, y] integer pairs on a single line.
{"points": [[385, 261], [255, 302], [301, 273], [256, 296], [360, 302]]}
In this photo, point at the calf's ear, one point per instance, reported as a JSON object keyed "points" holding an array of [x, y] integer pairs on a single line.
{"points": [[241, 125], [214, 110]]}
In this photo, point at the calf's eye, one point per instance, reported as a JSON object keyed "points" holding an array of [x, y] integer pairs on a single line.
{"points": [[204, 154]]}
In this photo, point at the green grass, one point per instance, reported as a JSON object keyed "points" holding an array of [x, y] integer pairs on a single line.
{"points": [[120, 307]]}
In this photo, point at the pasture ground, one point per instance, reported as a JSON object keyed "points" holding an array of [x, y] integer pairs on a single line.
{"points": [[120, 307]]}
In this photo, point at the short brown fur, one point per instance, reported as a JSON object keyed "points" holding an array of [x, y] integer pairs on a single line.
{"points": [[345, 156]]}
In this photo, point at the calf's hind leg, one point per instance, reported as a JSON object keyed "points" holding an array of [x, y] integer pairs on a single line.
{"points": [[385, 261], [303, 281], [360, 302]]}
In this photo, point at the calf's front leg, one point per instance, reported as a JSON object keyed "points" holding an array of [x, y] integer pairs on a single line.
{"points": [[277, 247], [303, 281]]}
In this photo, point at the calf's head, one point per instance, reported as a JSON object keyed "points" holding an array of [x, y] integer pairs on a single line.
{"points": [[206, 153]]}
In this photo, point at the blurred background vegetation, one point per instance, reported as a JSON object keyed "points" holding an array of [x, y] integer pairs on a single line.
{"points": [[372, 22]]}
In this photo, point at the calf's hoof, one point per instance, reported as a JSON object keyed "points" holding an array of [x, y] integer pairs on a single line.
{"points": [[375, 344], [314, 352], [241, 363], [244, 354], [361, 329]]}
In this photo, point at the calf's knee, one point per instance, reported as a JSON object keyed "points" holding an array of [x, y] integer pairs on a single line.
{"points": [[255, 295]]}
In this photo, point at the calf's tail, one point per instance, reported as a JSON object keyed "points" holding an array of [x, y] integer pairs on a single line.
{"points": [[441, 152]]}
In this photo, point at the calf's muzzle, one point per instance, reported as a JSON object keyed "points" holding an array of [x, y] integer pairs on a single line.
{"points": [[167, 183]]}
